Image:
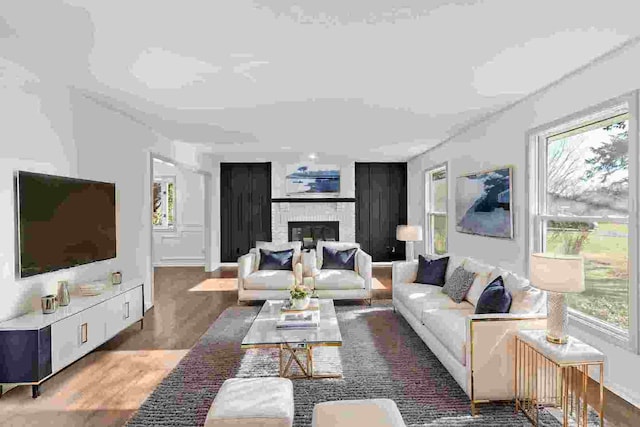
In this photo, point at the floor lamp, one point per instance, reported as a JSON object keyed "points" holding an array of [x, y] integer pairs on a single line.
{"points": [[409, 234]]}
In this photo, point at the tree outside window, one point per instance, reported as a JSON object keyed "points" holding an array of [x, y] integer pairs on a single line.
{"points": [[163, 209], [585, 211]]}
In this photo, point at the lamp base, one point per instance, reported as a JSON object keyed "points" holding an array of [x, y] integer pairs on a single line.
{"points": [[557, 319], [409, 250]]}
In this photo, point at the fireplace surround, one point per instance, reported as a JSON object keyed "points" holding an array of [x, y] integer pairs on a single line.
{"points": [[309, 232]]}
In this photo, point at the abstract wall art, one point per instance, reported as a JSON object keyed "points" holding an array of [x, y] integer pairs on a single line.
{"points": [[309, 179], [483, 203]]}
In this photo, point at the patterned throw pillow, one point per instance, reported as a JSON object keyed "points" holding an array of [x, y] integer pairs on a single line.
{"points": [[458, 284]]}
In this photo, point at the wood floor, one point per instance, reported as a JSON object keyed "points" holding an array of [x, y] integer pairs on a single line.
{"points": [[105, 387]]}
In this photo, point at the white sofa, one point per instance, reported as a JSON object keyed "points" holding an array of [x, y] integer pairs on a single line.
{"points": [[255, 284], [476, 349], [339, 284]]}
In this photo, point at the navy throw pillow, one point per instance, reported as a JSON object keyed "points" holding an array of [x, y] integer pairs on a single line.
{"points": [[276, 260], [432, 272], [333, 259], [495, 298]]}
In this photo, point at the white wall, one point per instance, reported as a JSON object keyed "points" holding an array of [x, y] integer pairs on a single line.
{"points": [[183, 245], [500, 141], [37, 135]]}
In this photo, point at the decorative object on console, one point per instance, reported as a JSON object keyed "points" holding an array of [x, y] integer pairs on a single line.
{"points": [[91, 288], [483, 204], [432, 272], [458, 284], [335, 259], [494, 299], [557, 274], [276, 260], [304, 179], [409, 234], [49, 304], [116, 278], [63, 293]]}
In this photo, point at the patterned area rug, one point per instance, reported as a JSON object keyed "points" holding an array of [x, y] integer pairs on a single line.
{"points": [[381, 357]]}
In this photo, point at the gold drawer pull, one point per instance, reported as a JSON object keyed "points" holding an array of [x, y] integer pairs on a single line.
{"points": [[84, 333]]}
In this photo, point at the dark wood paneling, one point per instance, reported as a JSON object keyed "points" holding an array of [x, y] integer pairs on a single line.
{"points": [[381, 205], [245, 207]]}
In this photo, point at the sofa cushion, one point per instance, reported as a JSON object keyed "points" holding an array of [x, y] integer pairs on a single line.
{"points": [[458, 284], [495, 298], [296, 246], [455, 261], [335, 245], [525, 297], [269, 280], [276, 260], [339, 279], [483, 274], [450, 327], [335, 259], [431, 272], [418, 297]]}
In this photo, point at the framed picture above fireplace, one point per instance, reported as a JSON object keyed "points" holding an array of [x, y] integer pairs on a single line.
{"points": [[312, 179]]}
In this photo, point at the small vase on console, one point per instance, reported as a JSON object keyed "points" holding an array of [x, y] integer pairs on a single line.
{"points": [[63, 293]]}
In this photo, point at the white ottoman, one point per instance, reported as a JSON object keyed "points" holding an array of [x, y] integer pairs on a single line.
{"points": [[252, 402], [355, 413]]}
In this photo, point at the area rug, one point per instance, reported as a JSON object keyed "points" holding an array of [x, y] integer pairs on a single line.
{"points": [[381, 357]]}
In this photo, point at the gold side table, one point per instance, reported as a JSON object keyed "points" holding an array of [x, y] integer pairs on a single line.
{"points": [[548, 374]]}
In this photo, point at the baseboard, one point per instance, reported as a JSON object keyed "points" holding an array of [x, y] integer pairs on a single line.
{"points": [[180, 262]]}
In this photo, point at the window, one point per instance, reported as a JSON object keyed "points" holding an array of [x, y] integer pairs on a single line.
{"points": [[436, 198], [164, 207], [581, 206]]}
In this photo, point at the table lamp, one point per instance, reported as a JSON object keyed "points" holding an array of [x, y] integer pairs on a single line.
{"points": [[409, 234], [557, 274]]}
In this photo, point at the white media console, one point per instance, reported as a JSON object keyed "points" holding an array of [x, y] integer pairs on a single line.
{"points": [[36, 346]]}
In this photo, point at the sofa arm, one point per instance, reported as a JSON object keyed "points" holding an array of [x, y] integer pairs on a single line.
{"points": [[365, 268], [403, 272], [309, 263], [245, 268], [490, 347]]}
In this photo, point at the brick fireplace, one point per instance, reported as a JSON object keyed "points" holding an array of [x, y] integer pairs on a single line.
{"points": [[330, 213]]}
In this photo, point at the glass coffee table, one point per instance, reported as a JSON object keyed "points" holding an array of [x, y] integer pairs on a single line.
{"points": [[295, 345]]}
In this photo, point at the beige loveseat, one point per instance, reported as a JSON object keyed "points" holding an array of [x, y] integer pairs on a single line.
{"points": [[476, 349]]}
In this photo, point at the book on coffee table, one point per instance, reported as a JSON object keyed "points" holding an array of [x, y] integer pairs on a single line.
{"points": [[299, 320], [314, 305]]}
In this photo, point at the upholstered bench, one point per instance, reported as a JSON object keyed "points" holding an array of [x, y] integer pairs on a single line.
{"points": [[252, 402], [353, 413]]}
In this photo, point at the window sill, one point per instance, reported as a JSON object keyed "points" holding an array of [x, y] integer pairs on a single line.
{"points": [[601, 330]]}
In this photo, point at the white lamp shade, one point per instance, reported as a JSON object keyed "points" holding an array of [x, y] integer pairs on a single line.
{"points": [[409, 233], [557, 273]]}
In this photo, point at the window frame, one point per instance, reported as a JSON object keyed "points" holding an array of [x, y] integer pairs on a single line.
{"points": [[164, 181], [428, 214], [536, 162]]}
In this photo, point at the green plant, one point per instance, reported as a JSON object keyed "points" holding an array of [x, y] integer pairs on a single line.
{"points": [[299, 292]]}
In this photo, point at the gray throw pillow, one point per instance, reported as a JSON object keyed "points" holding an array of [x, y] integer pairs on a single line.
{"points": [[458, 284]]}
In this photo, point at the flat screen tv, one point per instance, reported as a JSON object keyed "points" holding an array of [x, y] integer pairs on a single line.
{"points": [[63, 222]]}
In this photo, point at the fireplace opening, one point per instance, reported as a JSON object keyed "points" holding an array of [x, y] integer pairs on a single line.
{"points": [[309, 232]]}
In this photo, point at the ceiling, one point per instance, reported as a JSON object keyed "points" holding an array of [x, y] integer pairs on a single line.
{"points": [[371, 80]]}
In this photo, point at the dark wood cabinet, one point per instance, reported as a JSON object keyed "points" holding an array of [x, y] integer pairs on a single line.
{"points": [[245, 207], [381, 205]]}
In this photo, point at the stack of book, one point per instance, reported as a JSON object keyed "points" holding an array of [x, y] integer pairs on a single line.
{"points": [[299, 319]]}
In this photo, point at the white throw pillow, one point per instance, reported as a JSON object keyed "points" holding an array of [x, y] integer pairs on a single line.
{"points": [[270, 246], [454, 262], [483, 274]]}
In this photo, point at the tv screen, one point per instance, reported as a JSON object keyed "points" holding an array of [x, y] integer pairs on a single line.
{"points": [[63, 222]]}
